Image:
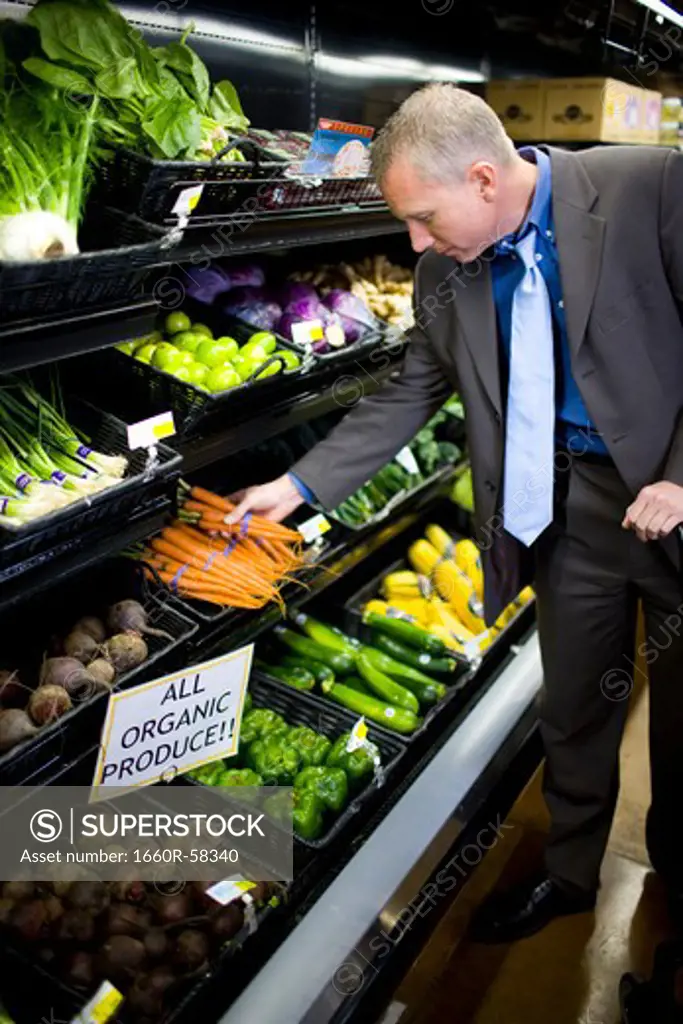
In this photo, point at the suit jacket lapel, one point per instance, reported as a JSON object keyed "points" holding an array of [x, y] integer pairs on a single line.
{"points": [[476, 312], [580, 236]]}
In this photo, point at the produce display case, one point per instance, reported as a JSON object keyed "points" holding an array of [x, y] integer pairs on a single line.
{"points": [[118, 273]]}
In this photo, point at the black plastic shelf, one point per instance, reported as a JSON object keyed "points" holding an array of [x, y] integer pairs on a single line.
{"points": [[337, 390], [34, 344]]}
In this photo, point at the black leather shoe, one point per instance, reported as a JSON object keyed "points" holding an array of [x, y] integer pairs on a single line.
{"points": [[524, 910]]}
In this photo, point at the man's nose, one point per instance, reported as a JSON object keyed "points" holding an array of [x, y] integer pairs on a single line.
{"points": [[420, 238]]}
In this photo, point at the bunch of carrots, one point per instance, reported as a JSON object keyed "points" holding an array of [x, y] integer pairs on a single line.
{"points": [[241, 565]]}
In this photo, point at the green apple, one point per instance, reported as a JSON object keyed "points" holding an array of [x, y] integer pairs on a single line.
{"points": [[265, 339], [230, 344], [177, 322], [145, 353], [127, 347], [243, 365], [222, 378], [202, 329], [269, 371], [186, 358], [198, 374], [212, 353], [183, 373], [167, 358], [290, 359], [187, 341]]}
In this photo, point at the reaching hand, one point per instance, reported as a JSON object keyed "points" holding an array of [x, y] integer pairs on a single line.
{"points": [[275, 500]]}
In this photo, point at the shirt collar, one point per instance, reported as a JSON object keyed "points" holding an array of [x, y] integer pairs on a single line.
{"points": [[539, 215]]}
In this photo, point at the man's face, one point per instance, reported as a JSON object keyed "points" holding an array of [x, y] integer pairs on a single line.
{"points": [[458, 219]]}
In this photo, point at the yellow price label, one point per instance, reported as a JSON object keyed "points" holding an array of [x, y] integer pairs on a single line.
{"points": [[107, 1007], [165, 429]]}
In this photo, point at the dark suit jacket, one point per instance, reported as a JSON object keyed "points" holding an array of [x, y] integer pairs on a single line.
{"points": [[619, 221]]}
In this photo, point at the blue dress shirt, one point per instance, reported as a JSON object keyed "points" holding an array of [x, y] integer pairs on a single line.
{"points": [[574, 427]]}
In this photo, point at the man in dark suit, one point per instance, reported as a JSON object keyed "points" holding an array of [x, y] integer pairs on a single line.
{"points": [[549, 295]]}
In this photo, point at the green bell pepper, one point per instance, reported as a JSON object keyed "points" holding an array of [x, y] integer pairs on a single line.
{"points": [[312, 746], [330, 784], [208, 774], [259, 723], [240, 777], [307, 816], [274, 759], [358, 764]]}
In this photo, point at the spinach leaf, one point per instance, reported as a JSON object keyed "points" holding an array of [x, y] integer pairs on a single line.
{"points": [[225, 107], [173, 125], [56, 75], [189, 68]]}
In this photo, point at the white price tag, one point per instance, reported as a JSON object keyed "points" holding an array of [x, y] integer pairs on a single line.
{"points": [[230, 889], [314, 527], [407, 460], [102, 1007], [358, 737], [308, 331], [148, 433], [173, 724], [187, 201]]}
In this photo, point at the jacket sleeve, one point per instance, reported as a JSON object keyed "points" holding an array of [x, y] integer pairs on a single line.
{"points": [[671, 234], [380, 425]]}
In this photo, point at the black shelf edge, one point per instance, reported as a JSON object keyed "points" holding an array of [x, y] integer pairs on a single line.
{"points": [[233, 238], [25, 345], [341, 391]]}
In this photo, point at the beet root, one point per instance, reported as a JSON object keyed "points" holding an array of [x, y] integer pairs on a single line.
{"points": [[54, 908], [6, 908], [80, 646], [191, 950], [18, 890], [69, 673], [126, 919], [15, 727], [146, 995], [121, 957], [48, 703], [156, 943], [80, 970], [126, 651], [127, 616], [173, 909], [76, 926], [13, 693], [103, 672], [92, 896], [93, 627], [30, 920], [128, 892], [226, 922]]}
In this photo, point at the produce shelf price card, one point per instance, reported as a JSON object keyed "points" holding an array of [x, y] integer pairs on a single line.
{"points": [[169, 726]]}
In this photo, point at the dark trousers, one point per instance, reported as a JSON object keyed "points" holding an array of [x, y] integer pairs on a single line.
{"points": [[589, 574]]}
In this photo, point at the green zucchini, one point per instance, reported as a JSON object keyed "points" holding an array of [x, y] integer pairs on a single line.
{"points": [[385, 687], [409, 656], [406, 632], [295, 676], [397, 719], [427, 690], [356, 683], [326, 636], [316, 668], [341, 663]]}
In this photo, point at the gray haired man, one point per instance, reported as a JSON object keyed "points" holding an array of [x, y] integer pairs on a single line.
{"points": [[549, 295]]}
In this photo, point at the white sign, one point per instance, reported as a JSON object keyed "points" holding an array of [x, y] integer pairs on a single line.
{"points": [[174, 724], [147, 433], [407, 460]]}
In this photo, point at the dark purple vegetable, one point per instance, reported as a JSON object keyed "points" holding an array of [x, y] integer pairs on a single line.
{"points": [[30, 920], [80, 969], [205, 285], [246, 296], [249, 275], [310, 308], [76, 926], [130, 615], [93, 896], [296, 291], [354, 315], [48, 703]]}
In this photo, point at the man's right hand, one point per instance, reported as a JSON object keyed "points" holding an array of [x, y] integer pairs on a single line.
{"points": [[275, 500]]}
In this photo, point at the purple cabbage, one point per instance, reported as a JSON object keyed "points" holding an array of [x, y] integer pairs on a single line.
{"points": [[244, 296], [295, 291], [354, 315], [206, 285], [310, 308], [327, 318], [248, 276], [264, 315]]}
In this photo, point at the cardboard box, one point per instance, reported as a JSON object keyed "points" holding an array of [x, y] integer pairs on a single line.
{"points": [[520, 104], [650, 117], [591, 110], [670, 125]]}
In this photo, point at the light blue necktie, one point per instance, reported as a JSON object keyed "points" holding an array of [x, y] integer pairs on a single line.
{"points": [[529, 445]]}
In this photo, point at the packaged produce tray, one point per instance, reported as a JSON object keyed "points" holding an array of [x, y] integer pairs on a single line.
{"points": [[95, 277], [193, 407], [145, 481], [150, 188], [54, 612], [301, 709]]}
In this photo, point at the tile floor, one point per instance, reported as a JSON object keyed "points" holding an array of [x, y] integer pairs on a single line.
{"points": [[569, 973]]}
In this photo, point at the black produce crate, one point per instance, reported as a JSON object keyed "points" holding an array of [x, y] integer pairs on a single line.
{"points": [[150, 188], [408, 497], [34, 290], [54, 612], [143, 483], [299, 708]]}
